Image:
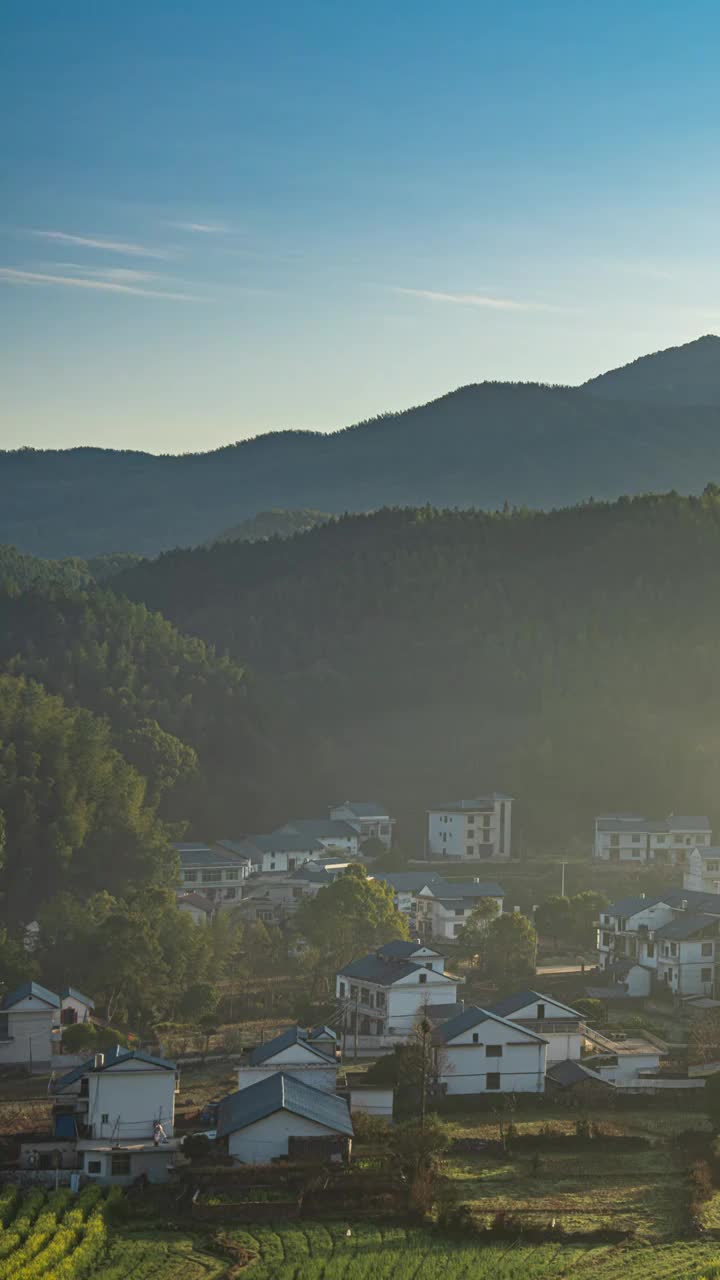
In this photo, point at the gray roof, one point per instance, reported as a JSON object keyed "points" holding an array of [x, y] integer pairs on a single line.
{"points": [[197, 900], [629, 906], [473, 1017], [520, 999], [402, 950], [384, 973], [30, 989], [686, 925], [450, 889], [709, 851], [111, 1059], [695, 899], [409, 881], [363, 808], [293, 1035], [570, 1072], [649, 826], [206, 855], [318, 829], [281, 1092], [322, 1032], [460, 806], [284, 842], [77, 995]]}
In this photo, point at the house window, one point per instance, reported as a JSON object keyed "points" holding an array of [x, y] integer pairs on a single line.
{"points": [[380, 1000], [614, 842], [650, 950], [541, 1011], [94, 1166], [230, 893], [493, 1050], [636, 839], [459, 911], [422, 978], [492, 1080], [291, 864], [706, 975], [707, 949], [458, 928], [231, 873], [673, 948], [364, 995], [471, 820], [341, 989], [209, 876], [660, 839], [4, 1031], [189, 876], [105, 1117], [120, 1165], [712, 866], [469, 849], [353, 992], [634, 853], [606, 939], [476, 1037]]}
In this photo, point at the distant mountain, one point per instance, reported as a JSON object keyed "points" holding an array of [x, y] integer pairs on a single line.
{"points": [[271, 524], [685, 375], [482, 445]]}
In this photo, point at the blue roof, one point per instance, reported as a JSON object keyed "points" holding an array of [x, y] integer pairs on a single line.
{"points": [[30, 989], [293, 1035], [111, 1059], [318, 829], [285, 842], [77, 995], [520, 999], [205, 855], [408, 881], [467, 889], [404, 950], [374, 968], [363, 808], [281, 1092], [473, 1017], [323, 1033], [629, 906], [686, 925]]}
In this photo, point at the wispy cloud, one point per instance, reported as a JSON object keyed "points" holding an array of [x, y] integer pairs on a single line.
{"points": [[202, 228], [101, 242], [475, 300], [123, 275], [8, 275]]}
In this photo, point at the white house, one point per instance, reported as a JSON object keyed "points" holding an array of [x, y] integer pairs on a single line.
{"points": [[262, 1123], [386, 993], [75, 1007], [675, 937], [26, 1022], [479, 828], [121, 1108], [443, 907], [298, 1055], [281, 850], [480, 1052], [370, 820], [406, 885], [372, 1100], [702, 873], [335, 836], [215, 870], [667, 841], [560, 1026], [195, 905]]}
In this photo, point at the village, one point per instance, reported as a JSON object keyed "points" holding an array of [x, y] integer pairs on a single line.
{"points": [[430, 1080]]}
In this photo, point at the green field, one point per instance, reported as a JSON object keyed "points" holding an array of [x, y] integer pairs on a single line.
{"points": [[55, 1236]]}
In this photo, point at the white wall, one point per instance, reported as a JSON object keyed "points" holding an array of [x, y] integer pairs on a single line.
{"points": [[30, 1027], [628, 1066], [133, 1096], [297, 1062], [450, 833], [465, 1066], [267, 1139], [280, 861], [407, 999], [372, 1102]]}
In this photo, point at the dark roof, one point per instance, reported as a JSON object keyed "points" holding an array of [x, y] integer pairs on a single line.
{"points": [[318, 829], [696, 899], [30, 989], [404, 950], [77, 995], [450, 890], [686, 925], [293, 1035], [438, 1013], [708, 851], [322, 1032], [111, 1059], [473, 1017], [409, 881], [205, 855], [373, 968], [284, 842], [519, 999], [638, 902], [196, 900], [364, 808], [480, 802], [635, 823], [282, 1092], [569, 1072]]}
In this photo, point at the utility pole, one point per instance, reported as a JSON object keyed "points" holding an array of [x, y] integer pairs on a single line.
{"points": [[357, 1025], [424, 1028], [562, 882]]}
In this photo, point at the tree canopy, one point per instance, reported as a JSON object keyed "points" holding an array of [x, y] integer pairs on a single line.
{"points": [[350, 916]]}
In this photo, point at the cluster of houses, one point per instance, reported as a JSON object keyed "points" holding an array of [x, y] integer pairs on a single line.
{"points": [[669, 842], [264, 877]]}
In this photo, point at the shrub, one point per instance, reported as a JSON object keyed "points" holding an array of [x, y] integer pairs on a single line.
{"points": [[370, 1128]]}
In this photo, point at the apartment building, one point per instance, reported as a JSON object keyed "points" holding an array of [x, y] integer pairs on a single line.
{"points": [[479, 828], [667, 841]]}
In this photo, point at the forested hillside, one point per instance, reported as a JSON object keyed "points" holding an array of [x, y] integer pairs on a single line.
{"points": [[272, 524], [570, 658], [480, 446]]}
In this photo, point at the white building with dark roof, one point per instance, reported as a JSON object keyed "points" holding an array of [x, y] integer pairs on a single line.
{"points": [[667, 841], [386, 993], [369, 819], [561, 1027], [271, 1119], [214, 870], [334, 835], [307, 1056], [702, 873], [27, 1017], [478, 828], [481, 1052], [676, 936]]}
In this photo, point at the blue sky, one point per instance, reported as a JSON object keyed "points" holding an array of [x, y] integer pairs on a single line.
{"points": [[221, 218]]}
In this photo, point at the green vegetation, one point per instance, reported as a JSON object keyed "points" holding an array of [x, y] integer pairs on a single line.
{"points": [[53, 1237], [348, 917], [272, 524]]}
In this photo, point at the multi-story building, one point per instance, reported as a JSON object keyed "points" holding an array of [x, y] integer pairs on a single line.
{"points": [[444, 907], [214, 870], [629, 837], [27, 1016], [334, 835], [479, 828], [561, 1027], [675, 936], [479, 1051], [370, 820], [702, 873], [387, 991]]}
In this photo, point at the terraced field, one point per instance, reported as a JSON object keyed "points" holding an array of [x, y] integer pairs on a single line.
{"points": [[55, 1236]]}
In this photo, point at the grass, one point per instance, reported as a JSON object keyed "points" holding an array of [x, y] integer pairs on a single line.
{"points": [[645, 1122]]}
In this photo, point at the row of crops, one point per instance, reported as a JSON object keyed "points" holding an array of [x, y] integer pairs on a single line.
{"points": [[52, 1236]]}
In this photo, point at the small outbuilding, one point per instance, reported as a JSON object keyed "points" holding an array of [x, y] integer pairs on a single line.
{"points": [[266, 1120]]}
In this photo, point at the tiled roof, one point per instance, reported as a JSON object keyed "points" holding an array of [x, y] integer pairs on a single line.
{"points": [[686, 925], [709, 851], [521, 999], [111, 1059], [318, 829], [454, 889], [30, 989], [282, 1092], [77, 995], [461, 806], [408, 881], [293, 1035], [570, 1072], [383, 973], [205, 855], [197, 900], [473, 1017], [322, 1032], [284, 842], [363, 808], [401, 950], [629, 906], [649, 826]]}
